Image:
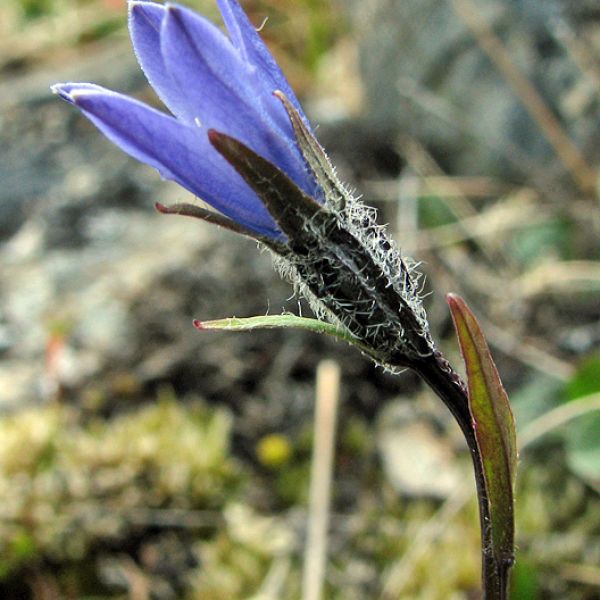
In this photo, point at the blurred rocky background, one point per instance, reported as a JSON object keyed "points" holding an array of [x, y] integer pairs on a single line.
{"points": [[143, 459], [485, 84]]}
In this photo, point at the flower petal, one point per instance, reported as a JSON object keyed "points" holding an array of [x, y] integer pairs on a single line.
{"points": [[222, 59], [221, 87], [177, 151], [144, 28], [247, 40], [202, 62], [64, 89]]}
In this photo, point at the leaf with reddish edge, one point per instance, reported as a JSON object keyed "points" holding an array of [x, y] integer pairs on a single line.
{"points": [[278, 322], [493, 425]]}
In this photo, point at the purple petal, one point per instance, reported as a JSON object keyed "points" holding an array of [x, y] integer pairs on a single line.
{"points": [[222, 61], [202, 62], [219, 84], [177, 151], [246, 39], [64, 89], [144, 28]]}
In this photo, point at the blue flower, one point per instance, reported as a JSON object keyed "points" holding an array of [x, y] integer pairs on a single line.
{"points": [[208, 81], [237, 138]]}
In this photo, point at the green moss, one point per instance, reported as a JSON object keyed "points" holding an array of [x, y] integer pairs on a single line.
{"points": [[67, 487], [74, 490]]}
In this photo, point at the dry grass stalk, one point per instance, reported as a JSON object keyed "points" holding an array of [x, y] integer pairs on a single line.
{"points": [[328, 382]]}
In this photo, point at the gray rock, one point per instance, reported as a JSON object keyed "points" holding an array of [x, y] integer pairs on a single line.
{"points": [[424, 74], [417, 460], [94, 283]]}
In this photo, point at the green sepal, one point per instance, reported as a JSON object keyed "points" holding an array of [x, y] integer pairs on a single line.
{"points": [[278, 322]]}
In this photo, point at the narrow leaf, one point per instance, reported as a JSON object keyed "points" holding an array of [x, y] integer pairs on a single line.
{"points": [[494, 426], [277, 322]]}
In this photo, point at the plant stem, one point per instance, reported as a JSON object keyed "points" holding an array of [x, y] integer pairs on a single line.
{"points": [[447, 384]]}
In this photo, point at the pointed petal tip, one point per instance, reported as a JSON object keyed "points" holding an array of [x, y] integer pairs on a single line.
{"points": [[56, 88], [82, 97], [142, 4], [143, 16], [185, 18], [71, 91], [176, 13], [139, 9], [172, 9], [134, 7]]}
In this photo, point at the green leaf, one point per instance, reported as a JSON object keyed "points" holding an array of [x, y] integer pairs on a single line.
{"points": [[586, 380], [582, 436], [278, 322], [583, 448], [538, 395], [493, 424], [531, 244], [434, 212], [524, 581]]}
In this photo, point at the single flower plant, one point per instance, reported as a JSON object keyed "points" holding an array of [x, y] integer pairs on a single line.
{"points": [[237, 138]]}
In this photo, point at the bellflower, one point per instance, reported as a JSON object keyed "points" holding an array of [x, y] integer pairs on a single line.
{"points": [[238, 139], [206, 80]]}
